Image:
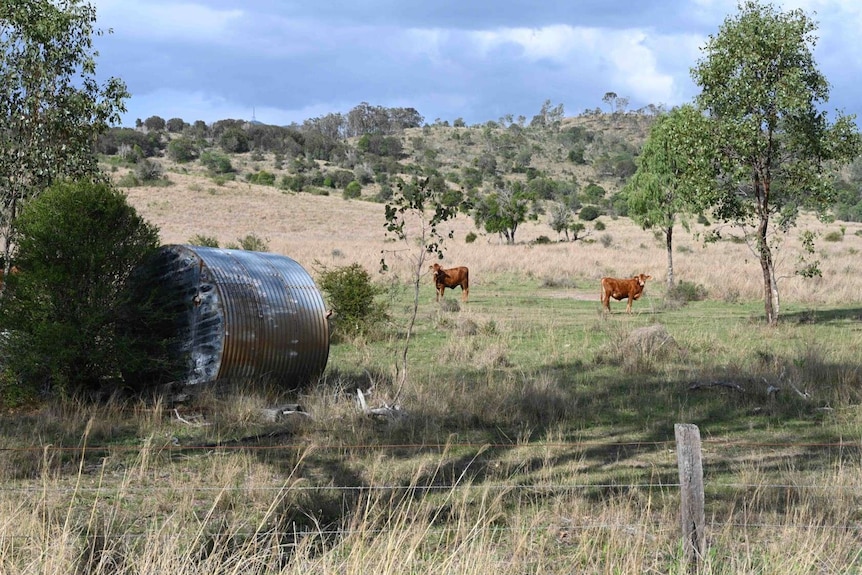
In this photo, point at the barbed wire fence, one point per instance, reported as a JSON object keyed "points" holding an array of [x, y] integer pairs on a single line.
{"points": [[687, 449]]}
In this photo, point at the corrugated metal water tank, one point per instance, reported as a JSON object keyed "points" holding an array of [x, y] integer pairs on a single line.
{"points": [[238, 315]]}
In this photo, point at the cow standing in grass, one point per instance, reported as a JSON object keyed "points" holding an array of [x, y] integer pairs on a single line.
{"points": [[623, 288], [451, 278]]}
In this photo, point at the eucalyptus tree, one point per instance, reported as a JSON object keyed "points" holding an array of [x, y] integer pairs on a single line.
{"points": [[52, 107], [762, 90], [504, 209], [674, 170]]}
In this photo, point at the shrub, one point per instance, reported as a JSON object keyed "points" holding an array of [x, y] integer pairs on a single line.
{"points": [[352, 191], [353, 299], [684, 292], [385, 194], [78, 243], [606, 240], [542, 240], [216, 163], [834, 236], [128, 180], [263, 178], [600, 226], [589, 213], [251, 242], [470, 237], [148, 171], [293, 183], [182, 150], [204, 241], [234, 141]]}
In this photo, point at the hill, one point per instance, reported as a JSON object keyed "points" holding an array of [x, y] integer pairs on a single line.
{"points": [[297, 206]]}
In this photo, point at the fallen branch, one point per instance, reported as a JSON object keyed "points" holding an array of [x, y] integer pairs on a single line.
{"points": [[385, 411], [284, 411], [187, 422]]}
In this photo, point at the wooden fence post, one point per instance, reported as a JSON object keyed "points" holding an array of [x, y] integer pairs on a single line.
{"points": [[688, 457]]}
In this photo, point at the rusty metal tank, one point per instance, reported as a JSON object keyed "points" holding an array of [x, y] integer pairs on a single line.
{"points": [[223, 315]]}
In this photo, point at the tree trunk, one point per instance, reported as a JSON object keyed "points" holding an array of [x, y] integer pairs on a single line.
{"points": [[770, 287], [668, 234], [762, 183]]}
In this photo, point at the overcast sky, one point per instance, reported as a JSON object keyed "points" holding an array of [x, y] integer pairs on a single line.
{"points": [[284, 61]]}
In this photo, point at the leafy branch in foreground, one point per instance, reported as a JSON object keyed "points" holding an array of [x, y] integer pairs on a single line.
{"points": [[52, 106]]}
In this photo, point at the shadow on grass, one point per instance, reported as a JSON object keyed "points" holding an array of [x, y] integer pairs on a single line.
{"points": [[822, 316]]}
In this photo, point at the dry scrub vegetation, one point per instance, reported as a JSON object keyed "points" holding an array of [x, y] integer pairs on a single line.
{"points": [[537, 435]]}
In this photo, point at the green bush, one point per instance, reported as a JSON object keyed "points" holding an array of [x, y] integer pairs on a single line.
{"points": [[204, 241], [684, 292], [77, 243], [182, 150], [128, 180], [589, 213], [470, 237], [251, 242], [353, 299], [352, 191], [262, 178], [216, 163], [599, 225], [234, 141]]}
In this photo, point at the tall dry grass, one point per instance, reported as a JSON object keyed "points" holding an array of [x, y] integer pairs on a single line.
{"points": [[231, 520]]}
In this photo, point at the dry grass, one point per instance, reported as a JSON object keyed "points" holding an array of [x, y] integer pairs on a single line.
{"points": [[335, 231], [233, 520]]}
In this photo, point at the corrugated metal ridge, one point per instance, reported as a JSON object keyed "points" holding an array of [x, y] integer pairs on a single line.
{"points": [[275, 323]]}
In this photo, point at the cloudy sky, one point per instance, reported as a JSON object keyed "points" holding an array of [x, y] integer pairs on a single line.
{"points": [[284, 61]]}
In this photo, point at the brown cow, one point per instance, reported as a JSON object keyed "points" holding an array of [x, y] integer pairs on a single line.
{"points": [[619, 288], [451, 278]]}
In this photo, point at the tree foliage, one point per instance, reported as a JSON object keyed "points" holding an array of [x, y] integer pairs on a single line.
{"points": [[761, 88], [51, 106], [78, 244], [676, 162], [504, 210]]}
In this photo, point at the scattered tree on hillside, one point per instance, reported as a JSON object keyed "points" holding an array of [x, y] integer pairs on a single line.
{"points": [[610, 99], [234, 140], [674, 156], [761, 87], [175, 125], [155, 123], [618, 104], [549, 117], [561, 219], [368, 119], [503, 210], [51, 106]]}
